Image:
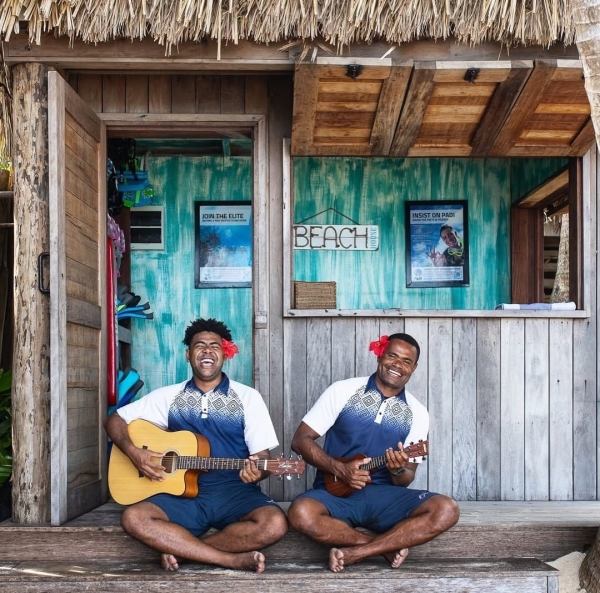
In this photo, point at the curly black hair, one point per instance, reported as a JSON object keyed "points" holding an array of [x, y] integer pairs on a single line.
{"points": [[206, 325]]}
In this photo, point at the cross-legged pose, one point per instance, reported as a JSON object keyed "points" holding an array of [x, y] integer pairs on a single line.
{"points": [[236, 423], [374, 416]]}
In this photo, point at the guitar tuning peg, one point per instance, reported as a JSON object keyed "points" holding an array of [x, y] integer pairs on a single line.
{"points": [[288, 477], [424, 458], [280, 478], [412, 443], [297, 476]]}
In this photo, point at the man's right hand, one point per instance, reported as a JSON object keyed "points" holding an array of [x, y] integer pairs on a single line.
{"points": [[148, 462], [351, 473]]}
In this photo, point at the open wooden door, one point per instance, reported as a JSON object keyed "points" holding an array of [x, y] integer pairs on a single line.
{"points": [[77, 150]]}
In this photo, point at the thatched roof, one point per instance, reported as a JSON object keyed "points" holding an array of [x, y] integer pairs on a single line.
{"points": [[337, 22]]}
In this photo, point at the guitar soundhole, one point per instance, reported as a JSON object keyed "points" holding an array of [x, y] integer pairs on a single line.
{"points": [[169, 462]]}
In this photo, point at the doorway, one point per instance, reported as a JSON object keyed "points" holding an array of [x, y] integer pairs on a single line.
{"points": [[165, 266]]}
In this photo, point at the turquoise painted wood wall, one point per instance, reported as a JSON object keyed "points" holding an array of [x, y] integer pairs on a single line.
{"points": [[166, 278], [527, 174], [374, 191]]}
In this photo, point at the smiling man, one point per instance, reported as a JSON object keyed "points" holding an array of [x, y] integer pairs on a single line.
{"points": [[236, 422], [377, 417]]}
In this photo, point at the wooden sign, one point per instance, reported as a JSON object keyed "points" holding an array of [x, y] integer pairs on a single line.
{"points": [[337, 237]]}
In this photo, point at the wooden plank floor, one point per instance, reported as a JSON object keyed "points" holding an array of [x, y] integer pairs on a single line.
{"points": [[425, 576], [543, 530]]}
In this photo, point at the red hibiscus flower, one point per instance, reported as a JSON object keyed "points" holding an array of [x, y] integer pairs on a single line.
{"points": [[379, 347], [229, 348]]}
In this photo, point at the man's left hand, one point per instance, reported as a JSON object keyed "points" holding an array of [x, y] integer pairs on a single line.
{"points": [[250, 473], [395, 459]]}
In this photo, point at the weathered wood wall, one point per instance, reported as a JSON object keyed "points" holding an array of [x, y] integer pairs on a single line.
{"points": [[512, 400]]}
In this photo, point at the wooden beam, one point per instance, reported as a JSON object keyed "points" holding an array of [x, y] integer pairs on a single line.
{"points": [[125, 54], [388, 109], [584, 140], [31, 368], [419, 92], [144, 55], [539, 194], [576, 232], [499, 108], [306, 91], [525, 105]]}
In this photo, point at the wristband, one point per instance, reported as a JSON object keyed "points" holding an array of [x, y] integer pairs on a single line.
{"points": [[400, 471]]}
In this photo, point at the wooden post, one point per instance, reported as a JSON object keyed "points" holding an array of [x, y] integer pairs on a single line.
{"points": [[589, 571], [31, 360]]}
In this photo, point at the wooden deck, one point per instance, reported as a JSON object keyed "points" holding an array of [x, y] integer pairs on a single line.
{"points": [[496, 547]]}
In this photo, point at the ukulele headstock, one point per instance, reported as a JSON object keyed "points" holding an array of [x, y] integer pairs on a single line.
{"points": [[419, 449]]}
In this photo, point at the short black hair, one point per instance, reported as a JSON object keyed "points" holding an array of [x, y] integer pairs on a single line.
{"points": [[409, 340], [206, 325], [444, 227]]}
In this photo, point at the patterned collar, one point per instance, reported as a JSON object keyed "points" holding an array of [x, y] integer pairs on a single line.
{"points": [[222, 387], [372, 386]]}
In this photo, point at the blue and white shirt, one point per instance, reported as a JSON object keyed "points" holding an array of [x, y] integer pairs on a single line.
{"points": [[357, 418], [232, 416]]}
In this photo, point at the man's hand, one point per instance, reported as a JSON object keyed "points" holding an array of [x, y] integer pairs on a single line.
{"points": [[395, 460], [250, 473], [149, 463], [351, 473]]}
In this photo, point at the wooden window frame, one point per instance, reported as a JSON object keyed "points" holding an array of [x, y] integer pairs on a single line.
{"points": [[527, 236]]}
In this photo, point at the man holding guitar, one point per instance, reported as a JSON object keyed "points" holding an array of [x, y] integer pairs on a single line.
{"points": [[236, 422], [364, 418]]}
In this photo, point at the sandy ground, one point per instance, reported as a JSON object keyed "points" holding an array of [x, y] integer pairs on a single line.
{"points": [[568, 580]]}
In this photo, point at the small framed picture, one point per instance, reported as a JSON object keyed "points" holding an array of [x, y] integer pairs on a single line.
{"points": [[437, 244]]}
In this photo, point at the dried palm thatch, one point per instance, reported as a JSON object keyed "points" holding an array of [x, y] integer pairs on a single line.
{"points": [[337, 22]]}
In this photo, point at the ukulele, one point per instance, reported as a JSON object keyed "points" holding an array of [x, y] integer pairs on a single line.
{"points": [[337, 487], [185, 455]]}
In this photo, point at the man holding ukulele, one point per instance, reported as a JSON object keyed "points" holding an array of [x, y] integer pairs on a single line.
{"points": [[374, 416]]}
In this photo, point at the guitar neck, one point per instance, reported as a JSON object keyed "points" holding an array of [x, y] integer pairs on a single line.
{"points": [[206, 463]]}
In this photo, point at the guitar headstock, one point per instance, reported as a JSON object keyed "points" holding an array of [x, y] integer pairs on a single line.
{"points": [[281, 465], [420, 449]]}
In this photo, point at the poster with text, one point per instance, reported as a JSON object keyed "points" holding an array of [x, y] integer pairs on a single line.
{"points": [[223, 245], [437, 245]]}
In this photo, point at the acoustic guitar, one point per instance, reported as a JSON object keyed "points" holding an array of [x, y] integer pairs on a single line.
{"points": [[338, 487], [184, 455]]}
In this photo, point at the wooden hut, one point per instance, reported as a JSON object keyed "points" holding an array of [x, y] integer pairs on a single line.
{"points": [[320, 117]]}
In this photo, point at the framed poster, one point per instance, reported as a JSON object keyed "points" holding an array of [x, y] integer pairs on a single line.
{"points": [[223, 232], [437, 244]]}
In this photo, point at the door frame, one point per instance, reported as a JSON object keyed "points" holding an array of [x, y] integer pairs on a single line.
{"points": [[184, 124]]}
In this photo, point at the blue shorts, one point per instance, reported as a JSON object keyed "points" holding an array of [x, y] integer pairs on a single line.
{"points": [[377, 507], [215, 506]]}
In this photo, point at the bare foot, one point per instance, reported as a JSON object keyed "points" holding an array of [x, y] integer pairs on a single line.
{"points": [[396, 558], [336, 560], [250, 561], [169, 562]]}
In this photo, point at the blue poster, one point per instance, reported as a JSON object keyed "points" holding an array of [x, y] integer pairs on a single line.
{"points": [[223, 244], [437, 251]]}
